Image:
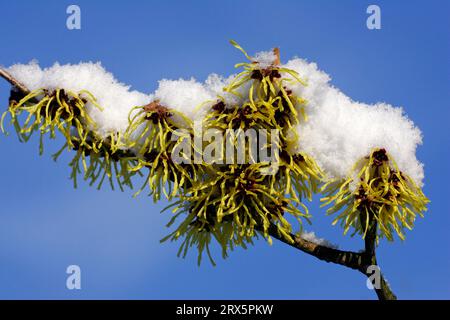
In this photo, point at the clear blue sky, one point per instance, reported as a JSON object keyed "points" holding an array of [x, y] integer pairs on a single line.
{"points": [[46, 225]]}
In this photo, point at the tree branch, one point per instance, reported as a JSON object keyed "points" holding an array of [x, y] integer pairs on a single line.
{"points": [[349, 259], [354, 260], [14, 82], [383, 291]]}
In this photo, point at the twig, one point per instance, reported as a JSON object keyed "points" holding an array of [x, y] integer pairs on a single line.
{"points": [[383, 292], [14, 82], [349, 259], [277, 61]]}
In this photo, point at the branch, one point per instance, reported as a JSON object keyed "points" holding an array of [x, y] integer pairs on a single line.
{"points": [[277, 61], [383, 292], [14, 82], [349, 259]]}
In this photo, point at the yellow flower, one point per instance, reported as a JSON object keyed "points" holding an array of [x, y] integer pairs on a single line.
{"points": [[380, 192]]}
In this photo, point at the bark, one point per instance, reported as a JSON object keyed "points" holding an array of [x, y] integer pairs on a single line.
{"points": [[15, 83], [354, 260]]}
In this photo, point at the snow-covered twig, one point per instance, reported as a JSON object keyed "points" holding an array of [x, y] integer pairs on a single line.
{"points": [[14, 82]]}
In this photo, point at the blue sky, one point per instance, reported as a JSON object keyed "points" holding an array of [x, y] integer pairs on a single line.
{"points": [[46, 225]]}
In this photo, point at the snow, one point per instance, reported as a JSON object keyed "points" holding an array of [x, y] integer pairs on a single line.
{"points": [[265, 59], [311, 237], [340, 131], [216, 83], [115, 98], [188, 97]]}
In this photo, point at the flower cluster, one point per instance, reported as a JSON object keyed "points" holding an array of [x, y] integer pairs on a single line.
{"points": [[232, 199], [49, 112], [380, 192], [151, 134]]}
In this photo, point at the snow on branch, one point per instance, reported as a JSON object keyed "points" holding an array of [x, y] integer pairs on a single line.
{"points": [[361, 157]]}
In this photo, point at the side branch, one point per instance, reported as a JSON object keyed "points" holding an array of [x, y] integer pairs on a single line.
{"points": [[382, 290], [348, 259]]}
